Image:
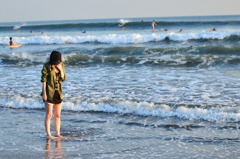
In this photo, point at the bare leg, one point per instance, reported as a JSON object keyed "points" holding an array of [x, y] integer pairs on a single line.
{"points": [[57, 118], [49, 108]]}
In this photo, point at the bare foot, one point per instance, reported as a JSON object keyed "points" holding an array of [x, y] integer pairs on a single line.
{"points": [[59, 136], [50, 136]]}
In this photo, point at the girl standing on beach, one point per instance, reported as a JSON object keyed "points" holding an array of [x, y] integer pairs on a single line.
{"points": [[53, 74]]}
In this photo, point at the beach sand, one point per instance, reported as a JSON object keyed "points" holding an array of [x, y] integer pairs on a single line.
{"points": [[110, 135]]}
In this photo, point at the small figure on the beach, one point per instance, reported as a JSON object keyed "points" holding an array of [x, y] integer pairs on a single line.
{"points": [[53, 74], [11, 41], [43, 33], [153, 25], [214, 29], [180, 31]]}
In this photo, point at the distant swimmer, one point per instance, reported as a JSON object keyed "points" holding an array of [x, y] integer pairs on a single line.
{"points": [[153, 25], [214, 29], [180, 31], [121, 25], [84, 31], [11, 43], [43, 33], [31, 31], [164, 29]]}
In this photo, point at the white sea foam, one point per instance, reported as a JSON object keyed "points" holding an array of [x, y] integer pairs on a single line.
{"points": [[193, 94], [24, 58], [117, 38], [16, 27], [20, 102], [124, 21], [226, 114]]}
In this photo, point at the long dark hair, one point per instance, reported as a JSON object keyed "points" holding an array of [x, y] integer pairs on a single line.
{"points": [[55, 58]]}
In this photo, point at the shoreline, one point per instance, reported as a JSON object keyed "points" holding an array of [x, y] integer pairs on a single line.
{"points": [[101, 135]]}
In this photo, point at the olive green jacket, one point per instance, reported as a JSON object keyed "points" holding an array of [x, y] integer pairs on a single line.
{"points": [[49, 76]]}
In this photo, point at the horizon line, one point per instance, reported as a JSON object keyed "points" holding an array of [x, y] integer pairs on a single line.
{"points": [[115, 18]]}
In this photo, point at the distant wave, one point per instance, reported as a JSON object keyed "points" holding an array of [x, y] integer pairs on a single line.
{"points": [[133, 38], [129, 24], [139, 57], [124, 21], [16, 27], [170, 60]]}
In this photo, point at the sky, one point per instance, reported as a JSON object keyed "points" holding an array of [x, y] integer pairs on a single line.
{"points": [[38, 10]]}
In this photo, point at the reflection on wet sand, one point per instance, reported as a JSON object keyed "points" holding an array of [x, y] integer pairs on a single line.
{"points": [[56, 152]]}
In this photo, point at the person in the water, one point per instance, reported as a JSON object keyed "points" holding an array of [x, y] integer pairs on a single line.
{"points": [[11, 43], [53, 74], [180, 31], [214, 29], [153, 25], [121, 26]]}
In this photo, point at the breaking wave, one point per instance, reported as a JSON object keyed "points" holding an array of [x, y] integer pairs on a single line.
{"points": [[125, 38], [211, 113]]}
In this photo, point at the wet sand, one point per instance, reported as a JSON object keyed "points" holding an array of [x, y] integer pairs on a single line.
{"points": [[109, 135]]}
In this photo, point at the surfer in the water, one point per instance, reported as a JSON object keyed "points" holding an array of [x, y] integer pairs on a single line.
{"points": [[180, 31], [153, 25], [121, 25], [11, 43]]}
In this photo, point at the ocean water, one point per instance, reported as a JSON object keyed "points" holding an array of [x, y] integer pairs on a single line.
{"points": [[129, 93]]}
